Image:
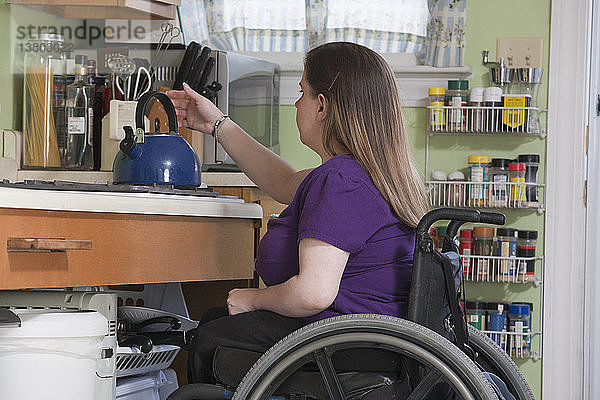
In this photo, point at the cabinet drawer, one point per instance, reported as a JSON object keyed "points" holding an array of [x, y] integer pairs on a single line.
{"points": [[103, 248]]}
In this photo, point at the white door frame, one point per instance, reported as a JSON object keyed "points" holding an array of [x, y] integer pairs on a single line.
{"points": [[562, 360], [591, 343]]}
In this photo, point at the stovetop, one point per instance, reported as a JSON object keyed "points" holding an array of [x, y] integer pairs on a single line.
{"points": [[108, 187]]}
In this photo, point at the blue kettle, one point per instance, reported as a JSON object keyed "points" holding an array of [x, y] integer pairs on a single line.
{"points": [[160, 159]]}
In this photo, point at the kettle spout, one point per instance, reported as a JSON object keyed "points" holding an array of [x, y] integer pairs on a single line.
{"points": [[128, 145]]}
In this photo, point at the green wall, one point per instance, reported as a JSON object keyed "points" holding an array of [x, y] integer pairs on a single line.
{"points": [[486, 20]]}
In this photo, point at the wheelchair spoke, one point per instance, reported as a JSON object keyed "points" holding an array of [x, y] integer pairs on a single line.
{"points": [[432, 378], [330, 378]]}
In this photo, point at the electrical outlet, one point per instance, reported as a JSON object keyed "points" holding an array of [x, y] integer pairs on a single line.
{"points": [[520, 52]]}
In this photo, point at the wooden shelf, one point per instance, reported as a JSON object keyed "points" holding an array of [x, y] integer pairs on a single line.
{"points": [[102, 9]]}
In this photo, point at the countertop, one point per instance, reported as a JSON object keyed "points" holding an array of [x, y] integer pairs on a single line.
{"points": [[128, 203]]}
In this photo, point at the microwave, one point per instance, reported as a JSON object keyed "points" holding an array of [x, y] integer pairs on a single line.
{"points": [[250, 96]]}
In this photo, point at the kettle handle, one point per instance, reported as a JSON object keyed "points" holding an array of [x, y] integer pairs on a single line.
{"points": [[166, 102]]}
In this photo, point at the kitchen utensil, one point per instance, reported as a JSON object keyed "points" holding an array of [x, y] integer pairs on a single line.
{"points": [[154, 158], [196, 72], [143, 82], [187, 63], [169, 33], [137, 315], [210, 64], [122, 67]]}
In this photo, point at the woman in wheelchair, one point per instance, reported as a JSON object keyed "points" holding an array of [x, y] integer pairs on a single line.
{"points": [[343, 248], [345, 243]]}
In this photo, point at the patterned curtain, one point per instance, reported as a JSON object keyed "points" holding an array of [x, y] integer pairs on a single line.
{"points": [[386, 26], [445, 42]]}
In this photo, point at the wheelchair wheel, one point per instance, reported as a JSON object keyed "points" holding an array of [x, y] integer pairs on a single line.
{"points": [[439, 361], [493, 359]]}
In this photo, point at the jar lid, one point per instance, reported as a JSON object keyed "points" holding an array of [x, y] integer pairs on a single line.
{"points": [[456, 176], [497, 306], [478, 159], [466, 233], [476, 94], [458, 85], [438, 175], [476, 305], [436, 91], [529, 158], [524, 302], [506, 232], [516, 166], [500, 162], [522, 309], [492, 93], [483, 231], [527, 234]]}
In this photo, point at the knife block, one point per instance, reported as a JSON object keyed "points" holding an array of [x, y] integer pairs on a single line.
{"points": [[196, 140]]}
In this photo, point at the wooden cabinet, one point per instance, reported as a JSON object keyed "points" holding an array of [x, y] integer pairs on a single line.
{"points": [[101, 9], [125, 248]]}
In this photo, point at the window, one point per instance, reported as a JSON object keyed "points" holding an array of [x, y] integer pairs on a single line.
{"points": [[387, 26]]}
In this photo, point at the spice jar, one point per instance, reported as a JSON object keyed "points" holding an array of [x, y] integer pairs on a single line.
{"points": [[41, 144], [506, 247], [499, 178], [517, 188], [476, 314], [492, 101], [440, 231], [466, 249], [475, 114], [519, 316], [532, 162], [478, 175], [456, 97], [457, 189], [483, 241], [516, 113], [526, 242], [437, 120], [497, 321]]}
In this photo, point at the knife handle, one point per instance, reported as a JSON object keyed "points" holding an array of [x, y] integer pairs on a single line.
{"points": [[186, 65], [196, 73], [210, 64]]}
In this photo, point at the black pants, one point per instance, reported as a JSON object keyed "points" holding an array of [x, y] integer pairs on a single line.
{"points": [[255, 330]]}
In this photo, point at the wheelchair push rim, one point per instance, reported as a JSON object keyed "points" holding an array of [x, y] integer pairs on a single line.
{"points": [[317, 342]]}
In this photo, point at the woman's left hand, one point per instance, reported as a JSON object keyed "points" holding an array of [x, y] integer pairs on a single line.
{"points": [[241, 300]]}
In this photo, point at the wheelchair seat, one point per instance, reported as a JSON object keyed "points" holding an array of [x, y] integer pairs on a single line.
{"points": [[432, 354]]}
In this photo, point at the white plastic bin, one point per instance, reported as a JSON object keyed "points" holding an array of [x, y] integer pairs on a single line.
{"points": [[52, 355], [154, 386]]}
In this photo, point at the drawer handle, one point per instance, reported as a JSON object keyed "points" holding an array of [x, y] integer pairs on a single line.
{"points": [[46, 245]]}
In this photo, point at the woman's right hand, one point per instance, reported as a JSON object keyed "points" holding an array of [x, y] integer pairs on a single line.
{"points": [[196, 111]]}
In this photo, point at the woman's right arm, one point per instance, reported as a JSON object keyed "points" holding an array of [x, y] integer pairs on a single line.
{"points": [[271, 173]]}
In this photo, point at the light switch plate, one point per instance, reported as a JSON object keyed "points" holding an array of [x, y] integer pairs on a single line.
{"points": [[520, 52]]}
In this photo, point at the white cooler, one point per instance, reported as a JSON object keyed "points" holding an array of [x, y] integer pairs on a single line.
{"points": [[53, 355]]}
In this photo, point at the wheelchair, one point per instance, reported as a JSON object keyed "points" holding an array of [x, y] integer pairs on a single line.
{"points": [[432, 354]]}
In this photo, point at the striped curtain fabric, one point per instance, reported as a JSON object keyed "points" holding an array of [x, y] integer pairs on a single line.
{"points": [[386, 26], [445, 42]]}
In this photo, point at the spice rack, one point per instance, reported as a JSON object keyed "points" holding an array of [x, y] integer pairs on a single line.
{"points": [[481, 194], [517, 344], [481, 120], [499, 269], [495, 121]]}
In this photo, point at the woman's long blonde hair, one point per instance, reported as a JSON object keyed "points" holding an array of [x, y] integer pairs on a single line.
{"points": [[365, 119]]}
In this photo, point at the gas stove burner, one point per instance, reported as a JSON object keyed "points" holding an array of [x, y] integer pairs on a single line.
{"points": [[109, 187]]}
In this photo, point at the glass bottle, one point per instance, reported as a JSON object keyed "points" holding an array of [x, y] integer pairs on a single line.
{"points": [[475, 115], [41, 144], [518, 195], [437, 120], [456, 97], [483, 240], [478, 174], [79, 122]]}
